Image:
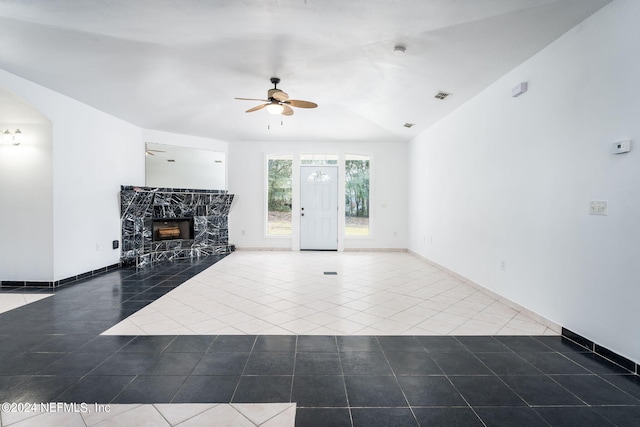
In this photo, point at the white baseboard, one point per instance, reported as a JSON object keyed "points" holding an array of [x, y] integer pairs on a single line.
{"points": [[517, 307]]}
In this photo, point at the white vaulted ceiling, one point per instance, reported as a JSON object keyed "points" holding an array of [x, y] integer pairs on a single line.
{"points": [[176, 65]]}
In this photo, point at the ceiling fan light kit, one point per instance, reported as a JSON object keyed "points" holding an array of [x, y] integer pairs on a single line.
{"points": [[275, 108], [278, 101]]}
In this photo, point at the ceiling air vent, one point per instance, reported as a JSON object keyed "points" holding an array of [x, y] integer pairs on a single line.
{"points": [[441, 95]]}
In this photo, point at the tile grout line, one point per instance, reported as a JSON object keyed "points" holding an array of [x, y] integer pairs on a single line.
{"points": [[344, 381], [293, 378], [458, 391], [244, 368], [395, 376]]}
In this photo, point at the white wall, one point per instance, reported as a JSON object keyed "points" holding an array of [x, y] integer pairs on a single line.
{"points": [[94, 154], [91, 155], [508, 180], [26, 208], [388, 193], [60, 187]]}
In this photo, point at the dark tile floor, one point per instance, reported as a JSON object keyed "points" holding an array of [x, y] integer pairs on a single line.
{"points": [[51, 350]]}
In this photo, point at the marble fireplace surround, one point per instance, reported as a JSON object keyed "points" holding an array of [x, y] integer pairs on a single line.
{"points": [[140, 206]]}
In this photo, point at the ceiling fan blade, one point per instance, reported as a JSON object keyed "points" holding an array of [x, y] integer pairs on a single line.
{"points": [[288, 111], [301, 104], [252, 99], [277, 97], [280, 95], [259, 107], [150, 152]]}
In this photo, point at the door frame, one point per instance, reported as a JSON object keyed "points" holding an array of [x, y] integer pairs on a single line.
{"points": [[295, 208], [304, 171]]}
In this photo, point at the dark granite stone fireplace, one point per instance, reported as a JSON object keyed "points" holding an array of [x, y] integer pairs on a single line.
{"points": [[170, 223]]}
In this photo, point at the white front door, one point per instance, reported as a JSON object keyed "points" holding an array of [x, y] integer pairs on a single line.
{"points": [[319, 208]]}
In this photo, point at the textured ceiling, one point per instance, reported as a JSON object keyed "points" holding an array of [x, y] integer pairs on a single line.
{"points": [[176, 65]]}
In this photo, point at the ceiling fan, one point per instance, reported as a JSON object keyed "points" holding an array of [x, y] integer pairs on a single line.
{"points": [[278, 102], [150, 152]]}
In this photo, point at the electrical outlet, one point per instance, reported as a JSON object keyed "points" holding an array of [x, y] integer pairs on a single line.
{"points": [[503, 265], [97, 246], [598, 207]]}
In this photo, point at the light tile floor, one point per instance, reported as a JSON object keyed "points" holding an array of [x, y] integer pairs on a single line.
{"points": [[285, 293], [157, 415], [15, 300]]}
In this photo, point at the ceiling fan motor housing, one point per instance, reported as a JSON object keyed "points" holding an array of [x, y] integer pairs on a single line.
{"points": [[271, 92]]}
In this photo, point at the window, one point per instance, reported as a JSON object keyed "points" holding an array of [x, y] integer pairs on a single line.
{"points": [[318, 159], [356, 195], [279, 169]]}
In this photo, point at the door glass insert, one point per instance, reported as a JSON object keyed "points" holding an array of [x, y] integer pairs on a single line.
{"points": [[319, 176]]}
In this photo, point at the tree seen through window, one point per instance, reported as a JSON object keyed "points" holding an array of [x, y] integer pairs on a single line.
{"points": [[356, 194], [279, 195]]}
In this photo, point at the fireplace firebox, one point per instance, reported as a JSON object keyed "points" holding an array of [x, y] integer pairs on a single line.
{"points": [[172, 229]]}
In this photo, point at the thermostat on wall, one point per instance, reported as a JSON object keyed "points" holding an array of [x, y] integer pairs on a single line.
{"points": [[620, 147]]}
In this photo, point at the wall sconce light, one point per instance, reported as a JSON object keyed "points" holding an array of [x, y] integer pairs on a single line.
{"points": [[14, 138]]}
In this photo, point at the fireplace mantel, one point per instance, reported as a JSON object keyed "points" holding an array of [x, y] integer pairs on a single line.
{"points": [[141, 206]]}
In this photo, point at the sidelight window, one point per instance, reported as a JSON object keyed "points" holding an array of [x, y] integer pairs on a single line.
{"points": [[279, 194], [356, 195]]}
